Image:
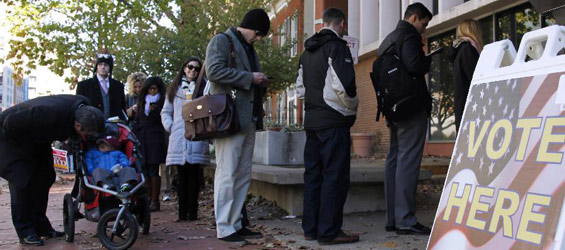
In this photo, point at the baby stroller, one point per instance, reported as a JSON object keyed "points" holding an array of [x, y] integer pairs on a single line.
{"points": [[119, 214]]}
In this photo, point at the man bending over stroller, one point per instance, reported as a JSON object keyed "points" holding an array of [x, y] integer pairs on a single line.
{"points": [[109, 166]]}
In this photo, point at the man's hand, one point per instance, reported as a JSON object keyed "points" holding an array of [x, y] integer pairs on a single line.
{"points": [[260, 79]]}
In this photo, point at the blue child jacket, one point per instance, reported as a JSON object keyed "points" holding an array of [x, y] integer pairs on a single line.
{"points": [[96, 158]]}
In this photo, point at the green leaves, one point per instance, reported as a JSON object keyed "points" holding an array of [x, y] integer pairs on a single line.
{"points": [[152, 36]]}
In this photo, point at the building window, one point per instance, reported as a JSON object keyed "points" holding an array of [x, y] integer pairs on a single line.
{"points": [[292, 108], [548, 20], [514, 23], [442, 120], [281, 108], [268, 110], [487, 28], [294, 34]]}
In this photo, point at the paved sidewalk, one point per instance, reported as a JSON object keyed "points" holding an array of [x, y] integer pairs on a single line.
{"points": [[280, 233]]}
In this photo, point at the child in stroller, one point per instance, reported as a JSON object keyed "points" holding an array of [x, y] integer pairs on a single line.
{"points": [[120, 215], [110, 167]]}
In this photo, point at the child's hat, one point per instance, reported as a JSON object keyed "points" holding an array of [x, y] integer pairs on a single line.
{"points": [[110, 140]]}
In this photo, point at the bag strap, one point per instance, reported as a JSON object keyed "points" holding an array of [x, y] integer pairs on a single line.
{"points": [[197, 89], [232, 49]]}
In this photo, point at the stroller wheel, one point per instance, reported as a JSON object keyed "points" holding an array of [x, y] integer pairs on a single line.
{"points": [[69, 218], [144, 214], [126, 230]]}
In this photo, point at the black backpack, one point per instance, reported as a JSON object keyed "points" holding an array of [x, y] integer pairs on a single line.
{"points": [[398, 92]]}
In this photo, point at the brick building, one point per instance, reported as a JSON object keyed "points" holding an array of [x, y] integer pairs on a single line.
{"points": [[371, 20]]}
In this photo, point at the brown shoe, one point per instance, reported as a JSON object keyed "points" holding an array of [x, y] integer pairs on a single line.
{"points": [[154, 207], [309, 238], [341, 238]]}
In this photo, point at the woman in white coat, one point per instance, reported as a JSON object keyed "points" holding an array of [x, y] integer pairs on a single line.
{"points": [[187, 156]]}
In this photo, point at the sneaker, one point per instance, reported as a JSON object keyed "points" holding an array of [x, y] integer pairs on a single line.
{"points": [[248, 234], [33, 240], [233, 238], [52, 234], [166, 197], [125, 188]]}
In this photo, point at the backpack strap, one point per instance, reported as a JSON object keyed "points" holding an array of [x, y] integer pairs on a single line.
{"points": [[396, 49]]}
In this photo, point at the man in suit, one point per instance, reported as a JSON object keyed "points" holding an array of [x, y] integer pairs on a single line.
{"points": [[27, 131], [104, 92], [234, 153], [407, 137]]}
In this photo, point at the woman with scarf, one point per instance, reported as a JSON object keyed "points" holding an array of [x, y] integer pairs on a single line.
{"points": [[187, 156], [151, 135], [464, 53]]}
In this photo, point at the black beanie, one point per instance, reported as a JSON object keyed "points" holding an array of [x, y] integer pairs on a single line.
{"points": [[106, 58], [256, 19]]}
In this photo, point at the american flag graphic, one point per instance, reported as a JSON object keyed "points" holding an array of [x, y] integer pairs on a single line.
{"points": [[511, 100]]}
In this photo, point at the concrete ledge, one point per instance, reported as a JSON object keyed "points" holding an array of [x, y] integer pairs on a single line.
{"points": [[292, 176], [285, 185]]}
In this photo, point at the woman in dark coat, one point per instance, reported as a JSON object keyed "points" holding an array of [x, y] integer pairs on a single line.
{"points": [[464, 53], [135, 83], [151, 134]]}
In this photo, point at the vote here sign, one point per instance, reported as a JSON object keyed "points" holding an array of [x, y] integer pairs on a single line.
{"points": [[506, 183]]}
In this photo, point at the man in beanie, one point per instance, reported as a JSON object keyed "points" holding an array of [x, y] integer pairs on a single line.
{"points": [[26, 133], [326, 64], [242, 78], [104, 92]]}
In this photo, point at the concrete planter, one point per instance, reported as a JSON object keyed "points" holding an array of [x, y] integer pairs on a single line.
{"points": [[279, 148], [363, 144]]}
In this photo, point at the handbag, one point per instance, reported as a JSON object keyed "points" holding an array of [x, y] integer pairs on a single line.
{"points": [[209, 117]]}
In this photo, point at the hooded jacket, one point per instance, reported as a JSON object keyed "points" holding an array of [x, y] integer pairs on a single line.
{"points": [[464, 57], [326, 80], [95, 158]]}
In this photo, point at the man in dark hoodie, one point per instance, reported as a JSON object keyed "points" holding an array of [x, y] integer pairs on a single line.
{"points": [[104, 92], [326, 80], [407, 137]]}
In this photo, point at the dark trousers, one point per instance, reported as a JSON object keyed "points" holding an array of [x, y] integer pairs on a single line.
{"points": [[188, 190], [326, 181], [29, 205], [407, 139]]}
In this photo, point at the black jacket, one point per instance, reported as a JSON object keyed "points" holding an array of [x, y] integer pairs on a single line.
{"points": [[150, 132], [91, 89], [28, 129], [465, 58], [412, 56], [328, 88]]}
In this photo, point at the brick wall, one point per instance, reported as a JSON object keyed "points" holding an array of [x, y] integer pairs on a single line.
{"points": [[366, 113]]}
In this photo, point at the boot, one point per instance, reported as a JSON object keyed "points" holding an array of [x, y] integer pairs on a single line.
{"points": [[147, 186], [155, 190]]}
